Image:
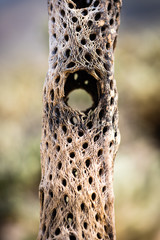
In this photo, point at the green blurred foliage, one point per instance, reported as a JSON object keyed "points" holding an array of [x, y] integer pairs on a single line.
{"points": [[20, 127]]}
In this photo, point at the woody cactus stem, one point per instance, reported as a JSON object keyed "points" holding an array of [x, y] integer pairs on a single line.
{"points": [[78, 148]]}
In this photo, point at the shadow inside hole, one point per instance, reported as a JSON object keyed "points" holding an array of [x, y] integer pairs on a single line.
{"points": [[82, 3], [82, 91]]}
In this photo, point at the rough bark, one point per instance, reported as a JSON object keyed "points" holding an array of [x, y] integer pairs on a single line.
{"points": [[78, 148]]}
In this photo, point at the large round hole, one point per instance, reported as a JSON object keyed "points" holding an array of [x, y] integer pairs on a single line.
{"points": [[80, 100], [82, 91]]}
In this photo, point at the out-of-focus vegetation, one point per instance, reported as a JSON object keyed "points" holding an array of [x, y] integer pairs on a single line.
{"points": [[137, 165], [20, 127]]}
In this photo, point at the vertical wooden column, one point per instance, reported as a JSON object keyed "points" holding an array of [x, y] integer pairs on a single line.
{"points": [[78, 148]]}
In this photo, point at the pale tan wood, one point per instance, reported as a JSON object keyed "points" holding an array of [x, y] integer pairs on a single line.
{"points": [[78, 148]]}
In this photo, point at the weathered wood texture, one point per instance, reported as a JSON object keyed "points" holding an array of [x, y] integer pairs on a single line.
{"points": [[78, 148]]}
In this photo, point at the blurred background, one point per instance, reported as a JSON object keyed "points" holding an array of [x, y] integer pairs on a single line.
{"points": [[23, 66]]}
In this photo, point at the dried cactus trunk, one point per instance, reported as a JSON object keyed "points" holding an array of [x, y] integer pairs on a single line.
{"points": [[78, 148]]}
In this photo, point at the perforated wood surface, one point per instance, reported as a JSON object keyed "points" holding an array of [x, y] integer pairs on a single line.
{"points": [[78, 148]]}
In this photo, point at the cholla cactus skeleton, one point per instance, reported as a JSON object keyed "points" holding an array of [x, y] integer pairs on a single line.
{"points": [[78, 148]]}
